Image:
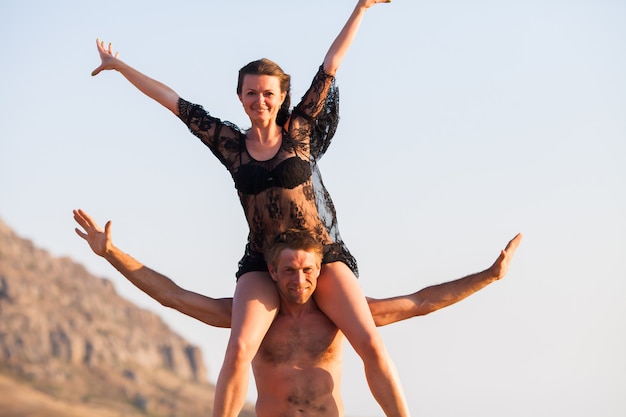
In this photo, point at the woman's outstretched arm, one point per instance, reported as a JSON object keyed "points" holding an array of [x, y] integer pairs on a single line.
{"points": [[340, 46], [149, 86]]}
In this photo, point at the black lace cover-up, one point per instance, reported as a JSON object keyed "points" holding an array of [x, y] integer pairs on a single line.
{"points": [[287, 190]]}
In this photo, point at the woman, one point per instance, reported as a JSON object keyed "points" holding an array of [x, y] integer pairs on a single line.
{"points": [[274, 166]]}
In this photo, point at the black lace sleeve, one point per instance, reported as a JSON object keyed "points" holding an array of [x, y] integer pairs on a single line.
{"points": [[320, 107], [223, 138]]}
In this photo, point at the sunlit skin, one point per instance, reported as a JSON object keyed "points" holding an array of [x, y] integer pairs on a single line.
{"points": [[261, 98], [296, 274], [255, 303], [298, 365]]}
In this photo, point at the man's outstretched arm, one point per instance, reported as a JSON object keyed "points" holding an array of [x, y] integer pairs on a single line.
{"points": [[212, 311], [390, 310], [217, 312]]}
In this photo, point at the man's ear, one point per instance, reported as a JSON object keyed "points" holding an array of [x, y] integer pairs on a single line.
{"points": [[272, 272]]}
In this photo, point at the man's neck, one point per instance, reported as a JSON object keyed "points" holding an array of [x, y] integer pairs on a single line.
{"points": [[291, 309]]}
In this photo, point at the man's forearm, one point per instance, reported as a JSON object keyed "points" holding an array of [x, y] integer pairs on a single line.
{"points": [[433, 298], [147, 280], [214, 312], [390, 310]]}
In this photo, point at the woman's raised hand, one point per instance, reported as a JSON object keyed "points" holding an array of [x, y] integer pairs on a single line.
{"points": [[369, 3], [150, 87], [342, 42], [109, 60]]}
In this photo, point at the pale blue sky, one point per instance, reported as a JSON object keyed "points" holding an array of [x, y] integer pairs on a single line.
{"points": [[462, 124]]}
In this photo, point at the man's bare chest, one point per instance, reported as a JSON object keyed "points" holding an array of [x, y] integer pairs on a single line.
{"points": [[310, 341]]}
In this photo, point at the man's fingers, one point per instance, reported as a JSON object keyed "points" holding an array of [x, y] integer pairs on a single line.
{"points": [[107, 229], [85, 220], [79, 219], [501, 265], [80, 233], [511, 247]]}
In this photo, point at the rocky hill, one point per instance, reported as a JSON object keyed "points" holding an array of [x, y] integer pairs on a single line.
{"points": [[68, 342]]}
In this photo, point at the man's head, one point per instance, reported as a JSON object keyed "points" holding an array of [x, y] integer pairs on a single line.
{"points": [[294, 261]]}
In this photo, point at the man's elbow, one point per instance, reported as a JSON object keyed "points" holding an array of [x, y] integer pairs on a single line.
{"points": [[425, 307], [169, 300]]}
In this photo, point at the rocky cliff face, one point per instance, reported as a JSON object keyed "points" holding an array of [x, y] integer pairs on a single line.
{"points": [[68, 334]]}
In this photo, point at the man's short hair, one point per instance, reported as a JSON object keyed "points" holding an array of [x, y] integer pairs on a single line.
{"points": [[294, 239]]}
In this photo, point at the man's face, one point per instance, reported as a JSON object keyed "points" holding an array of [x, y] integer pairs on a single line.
{"points": [[296, 275]]}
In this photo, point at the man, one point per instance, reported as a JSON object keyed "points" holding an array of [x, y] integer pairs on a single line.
{"points": [[298, 366]]}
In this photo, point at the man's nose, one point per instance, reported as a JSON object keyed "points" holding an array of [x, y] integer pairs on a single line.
{"points": [[300, 276]]}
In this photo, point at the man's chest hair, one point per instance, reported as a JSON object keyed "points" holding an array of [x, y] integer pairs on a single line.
{"points": [[300, 342]]}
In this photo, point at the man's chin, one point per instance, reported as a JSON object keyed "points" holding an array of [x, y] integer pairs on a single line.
{"points": [[301, 298]]}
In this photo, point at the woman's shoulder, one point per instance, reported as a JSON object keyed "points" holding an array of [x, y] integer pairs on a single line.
{"points": [[191, 113]]}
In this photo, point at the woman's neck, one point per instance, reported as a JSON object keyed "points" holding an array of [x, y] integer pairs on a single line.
{"points": [[263, 143], [264, 135]]}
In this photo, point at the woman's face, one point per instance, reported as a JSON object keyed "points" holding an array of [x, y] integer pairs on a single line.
{"points": [[261, 98]]}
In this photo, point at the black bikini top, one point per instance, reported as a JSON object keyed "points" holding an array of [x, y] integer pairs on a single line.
{"points": [[253, 178]]}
